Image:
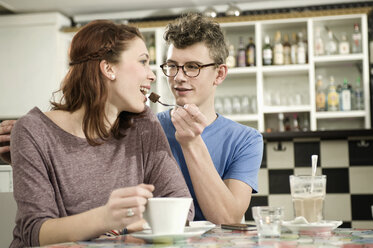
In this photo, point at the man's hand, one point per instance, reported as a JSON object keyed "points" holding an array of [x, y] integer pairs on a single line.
{"points": [[189, 123], [5, 129]]}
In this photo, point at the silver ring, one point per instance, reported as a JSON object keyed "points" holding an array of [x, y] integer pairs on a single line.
{"points": [[130, 212]]}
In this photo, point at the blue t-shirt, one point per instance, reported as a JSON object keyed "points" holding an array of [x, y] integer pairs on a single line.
{"points": [[235, 149]]}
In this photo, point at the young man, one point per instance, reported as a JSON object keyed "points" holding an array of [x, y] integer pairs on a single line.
{"points": [[219, 158]]}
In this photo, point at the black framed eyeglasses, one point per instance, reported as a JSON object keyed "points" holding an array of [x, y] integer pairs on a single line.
{"points": [[190, 69]]}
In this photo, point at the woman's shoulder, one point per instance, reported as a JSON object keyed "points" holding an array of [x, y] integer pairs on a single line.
{"points": [[33, 119]]}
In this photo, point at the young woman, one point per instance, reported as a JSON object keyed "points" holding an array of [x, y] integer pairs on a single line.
{"points": [[89, 165]]}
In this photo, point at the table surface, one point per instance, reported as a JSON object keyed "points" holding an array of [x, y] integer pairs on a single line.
{"points": [[217, 237]]}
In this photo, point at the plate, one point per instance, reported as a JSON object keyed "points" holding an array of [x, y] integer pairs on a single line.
{"points": [[312, 228], [202, 224], [148, 236]]}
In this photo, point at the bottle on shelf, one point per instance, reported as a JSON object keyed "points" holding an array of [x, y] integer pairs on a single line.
{"points": [[278, 50], [267, 51], [231, 59], [345, 96], [152, 51], [287, 123], [359, 96], [356, 39], [331, 44], [333, 96], [344, 45], [287, 50], [294, 48], [319, 43], [302, 50], [250, 53], [241, 54], [281, 127], [296, 122], [320, 95]]}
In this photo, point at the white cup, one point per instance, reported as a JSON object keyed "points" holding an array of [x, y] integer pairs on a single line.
{"points": [[167, 215]]}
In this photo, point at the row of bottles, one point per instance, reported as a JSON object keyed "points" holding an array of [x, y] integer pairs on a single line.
{"points": [[288, 122], [229, 105], [245, 56], [341, 97], [331, 45], [284, 52]]}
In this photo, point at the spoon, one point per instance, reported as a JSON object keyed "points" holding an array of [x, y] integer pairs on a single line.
{"points": [[155, 98]]}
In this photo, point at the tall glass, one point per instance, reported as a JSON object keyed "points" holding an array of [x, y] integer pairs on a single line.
{"points": [[308, 194]]}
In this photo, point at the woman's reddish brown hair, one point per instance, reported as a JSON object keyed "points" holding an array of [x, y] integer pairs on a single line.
{"points": [[84, 85]]}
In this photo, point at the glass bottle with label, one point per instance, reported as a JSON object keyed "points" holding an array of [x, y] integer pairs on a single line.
{"points": [[267, 51], [344, 45], [241, 54], [356, 39], [346, 96], [331, 45], [294, 48], [319, 43], [359, 95], [333, 96], [301, 54], [278, 50], [250, 53], [287, 50], [320, 95], [231, 59]]}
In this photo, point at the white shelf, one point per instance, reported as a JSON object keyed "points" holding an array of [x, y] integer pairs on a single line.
{"points": [[340, 114], [286, 109], [242, 70], [338, 58], [285, 69], [243, 117]]}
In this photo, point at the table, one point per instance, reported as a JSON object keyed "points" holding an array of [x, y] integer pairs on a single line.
{"points": [[217, 237]]}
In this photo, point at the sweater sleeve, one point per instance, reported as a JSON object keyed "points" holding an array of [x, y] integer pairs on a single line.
{"points": [[33, 191], [161, 168]]}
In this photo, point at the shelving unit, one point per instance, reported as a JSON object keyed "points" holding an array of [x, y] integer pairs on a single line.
{"points": [[288, 89]]}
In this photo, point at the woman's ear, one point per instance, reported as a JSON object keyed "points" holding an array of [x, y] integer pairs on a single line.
{"points": [[221, 75], [107, 70]]}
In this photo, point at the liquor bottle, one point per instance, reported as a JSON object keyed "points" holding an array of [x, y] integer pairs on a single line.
{"points": [[267, 51], [302, 50], [231, 59], [281, 127], [344, 45], [294, 48], [278, 50], [346, 96], [287, 50], [296, 122], [331, 45], [359, 96], [250, 53], [320, 95], [152, 53], [356, 39], [333, 96], [319, 43], [241, 54]]}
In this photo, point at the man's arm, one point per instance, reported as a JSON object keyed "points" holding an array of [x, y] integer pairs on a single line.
{"points": [[5, 128], [221, 201]]}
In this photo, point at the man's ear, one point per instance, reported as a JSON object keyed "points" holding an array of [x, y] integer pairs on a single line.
{"points": [[107, 70], [221, 75]]}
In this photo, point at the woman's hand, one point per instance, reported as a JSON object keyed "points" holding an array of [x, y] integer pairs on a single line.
{"points": [[126, 206], [5, 128]]}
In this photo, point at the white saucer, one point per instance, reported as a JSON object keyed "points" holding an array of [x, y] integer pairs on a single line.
{"points": [[321, 227], [148, 236]]}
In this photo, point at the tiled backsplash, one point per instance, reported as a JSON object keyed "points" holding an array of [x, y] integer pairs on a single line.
{"points": [[348, 164]]}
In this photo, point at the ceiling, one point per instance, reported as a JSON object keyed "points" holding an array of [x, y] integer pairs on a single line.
{"points": [[146, 8]]}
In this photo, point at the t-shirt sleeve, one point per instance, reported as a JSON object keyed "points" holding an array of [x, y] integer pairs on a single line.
{"points": [[161, 168], [32, 188], [247, 159]]}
